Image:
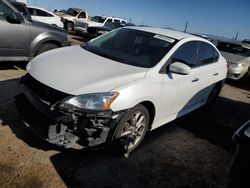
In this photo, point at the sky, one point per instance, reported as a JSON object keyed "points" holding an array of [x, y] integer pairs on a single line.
{"points": [[216, 17]]}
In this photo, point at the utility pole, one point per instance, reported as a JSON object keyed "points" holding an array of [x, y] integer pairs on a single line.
{"points": [[130, 20], [236, 36], [185, 30]]}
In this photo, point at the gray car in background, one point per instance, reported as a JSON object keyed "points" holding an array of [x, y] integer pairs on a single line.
{"points": [[238, 59], [21, 38]]}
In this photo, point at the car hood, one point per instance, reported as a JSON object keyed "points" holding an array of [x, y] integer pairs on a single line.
{"points": [[47, 26], [76, 71], [234, 58]]}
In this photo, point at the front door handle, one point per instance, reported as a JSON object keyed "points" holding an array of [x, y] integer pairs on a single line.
{"points": [[216, 74], [195, 80]]}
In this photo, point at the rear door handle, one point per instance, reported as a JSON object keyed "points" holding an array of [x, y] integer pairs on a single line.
{"points": [[216, 74], [195, 80]]}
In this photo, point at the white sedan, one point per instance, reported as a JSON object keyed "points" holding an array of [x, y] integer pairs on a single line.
{"points": [[42, 15], [120, 85]]}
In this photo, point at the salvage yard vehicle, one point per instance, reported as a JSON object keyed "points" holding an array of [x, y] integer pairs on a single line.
{"points": [[238, 59], [118, 86], [95, 31], [70, 16], [42, 15], [96, 21], [22, 39]]}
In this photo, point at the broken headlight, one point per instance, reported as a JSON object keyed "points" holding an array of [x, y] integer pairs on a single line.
{"points": [[96, 101]]}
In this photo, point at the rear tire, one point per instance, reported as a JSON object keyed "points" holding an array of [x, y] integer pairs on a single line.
{"points": [[132, 129], [45, 47], [213, 95]]}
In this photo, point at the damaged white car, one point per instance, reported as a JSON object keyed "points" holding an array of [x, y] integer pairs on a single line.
{"points": [[119, 86]]}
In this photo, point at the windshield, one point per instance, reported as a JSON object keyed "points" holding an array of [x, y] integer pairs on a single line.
{"points": [[132, 47], [72, 12], [234, 49], [98, 19]]}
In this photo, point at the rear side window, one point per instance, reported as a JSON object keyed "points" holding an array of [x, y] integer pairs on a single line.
{"points": [[116, 21], [216, 55], [31, 10], [206, 54], [187, 54]]}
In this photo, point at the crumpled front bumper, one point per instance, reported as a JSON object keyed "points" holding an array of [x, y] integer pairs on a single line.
{"points": [[66, 130]]}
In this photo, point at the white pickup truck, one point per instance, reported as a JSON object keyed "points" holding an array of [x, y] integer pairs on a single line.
{"points": [[96, 21], [71, 16]]}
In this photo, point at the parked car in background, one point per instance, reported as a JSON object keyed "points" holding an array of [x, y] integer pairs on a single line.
{"points": [[96, 31], [70, 16], [214, 41], [246, 41], [45, 16], [238, 59], [21, 38], [96, 21], [121, 85]]}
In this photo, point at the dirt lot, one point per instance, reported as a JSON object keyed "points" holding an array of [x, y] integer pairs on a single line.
{"points": [[194, 151]]}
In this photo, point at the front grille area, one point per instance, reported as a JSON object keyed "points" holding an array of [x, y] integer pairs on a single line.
{"points": [[81, 24], [42, 91]]}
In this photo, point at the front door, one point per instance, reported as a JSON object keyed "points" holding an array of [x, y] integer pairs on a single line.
{"points": [[14, 38]]}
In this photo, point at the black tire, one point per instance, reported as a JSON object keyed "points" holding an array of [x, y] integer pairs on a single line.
{"points": [[213, 95], [127, 144], [45, 47], [69, 26]]}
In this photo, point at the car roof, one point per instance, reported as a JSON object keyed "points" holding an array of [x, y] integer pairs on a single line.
{"points": [[167, 32]]}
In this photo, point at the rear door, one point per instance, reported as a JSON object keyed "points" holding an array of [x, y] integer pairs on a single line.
{"points": [[209, 69], [15, 38]]}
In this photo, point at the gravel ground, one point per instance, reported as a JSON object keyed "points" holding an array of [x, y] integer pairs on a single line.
{"points": [[193, 151]]}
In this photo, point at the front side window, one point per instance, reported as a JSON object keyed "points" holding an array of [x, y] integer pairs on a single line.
{"points": [[142, 49], [187, 54], [4, 10], [21, 8], [109, 21], [82, 15], [206, 53]]}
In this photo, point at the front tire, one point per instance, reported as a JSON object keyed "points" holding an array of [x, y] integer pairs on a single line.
{"points": [[132, 129], [45, 47]]}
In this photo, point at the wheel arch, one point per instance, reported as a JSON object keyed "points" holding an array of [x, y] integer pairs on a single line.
{"points": [[151, 110]]}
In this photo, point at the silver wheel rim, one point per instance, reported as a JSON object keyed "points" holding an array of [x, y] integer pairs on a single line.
{"points": [[134, 129]]}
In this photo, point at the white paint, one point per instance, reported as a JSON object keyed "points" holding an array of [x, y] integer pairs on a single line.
{"points": [[76, 71]]}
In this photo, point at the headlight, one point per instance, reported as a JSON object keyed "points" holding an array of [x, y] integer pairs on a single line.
{"points": [[97, 101], [243, 64], [239, 65]]}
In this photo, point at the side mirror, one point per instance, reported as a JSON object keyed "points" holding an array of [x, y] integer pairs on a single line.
{"points": [[180, 68], [15, 18]]}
